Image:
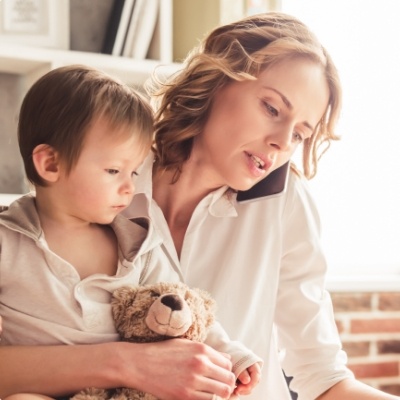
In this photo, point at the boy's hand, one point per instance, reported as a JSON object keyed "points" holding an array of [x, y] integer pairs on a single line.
{"points": [[247, 380]]}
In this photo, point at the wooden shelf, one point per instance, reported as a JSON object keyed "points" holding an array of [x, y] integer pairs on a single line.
{"points": [[24, 60]]}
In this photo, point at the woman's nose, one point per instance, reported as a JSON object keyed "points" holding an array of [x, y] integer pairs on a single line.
{"points": [[281, 138]]}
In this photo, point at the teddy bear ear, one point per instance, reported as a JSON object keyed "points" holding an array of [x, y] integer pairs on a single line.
{"points": [[209, 302], [210, 306], [121, 299], [124, 293]]}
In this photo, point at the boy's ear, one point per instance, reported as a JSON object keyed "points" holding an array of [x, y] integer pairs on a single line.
{"points": [[47, 163]]}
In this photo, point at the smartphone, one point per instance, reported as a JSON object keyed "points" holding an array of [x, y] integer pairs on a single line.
{"points": [[273, 185]]}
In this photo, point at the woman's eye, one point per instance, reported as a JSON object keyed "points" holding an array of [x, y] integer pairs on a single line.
{"points": [[134, 174], [271, 110], [112, 171], [297, 137]]}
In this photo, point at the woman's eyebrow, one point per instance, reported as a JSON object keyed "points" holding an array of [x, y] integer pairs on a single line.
{"points": [[290, 106]]}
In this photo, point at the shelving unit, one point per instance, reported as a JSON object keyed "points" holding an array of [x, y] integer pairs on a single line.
{"points": [[32, 62], [180, 26]]}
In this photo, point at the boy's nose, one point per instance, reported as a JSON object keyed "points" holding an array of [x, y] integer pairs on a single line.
{"points": [[128, 187]]}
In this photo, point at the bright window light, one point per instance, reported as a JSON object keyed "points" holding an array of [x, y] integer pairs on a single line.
{"points": [[357, 186]]}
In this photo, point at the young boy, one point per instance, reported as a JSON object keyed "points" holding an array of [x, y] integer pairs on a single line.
{"points": [[65, 247]]}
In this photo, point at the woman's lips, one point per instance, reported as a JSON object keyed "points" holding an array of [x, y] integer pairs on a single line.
{"points": [[258, 164]]}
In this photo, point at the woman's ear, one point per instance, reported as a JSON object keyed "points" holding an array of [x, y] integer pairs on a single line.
{"points": [[47, 163]]}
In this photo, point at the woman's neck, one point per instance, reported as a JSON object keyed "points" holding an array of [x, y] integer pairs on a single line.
{"points": [[178, 200]]}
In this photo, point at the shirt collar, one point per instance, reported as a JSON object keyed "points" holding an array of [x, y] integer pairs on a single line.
{"points": [[135, 236], [222, 202], [21, 216]]}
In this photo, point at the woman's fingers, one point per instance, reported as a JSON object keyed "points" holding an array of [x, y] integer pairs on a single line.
{"points": [[181, 370]]}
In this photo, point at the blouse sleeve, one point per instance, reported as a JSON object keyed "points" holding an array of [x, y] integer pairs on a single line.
{"points": [[307, 335]]}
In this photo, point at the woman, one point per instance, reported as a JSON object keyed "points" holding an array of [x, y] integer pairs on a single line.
{"points": [[254, 92], [250, 96]]}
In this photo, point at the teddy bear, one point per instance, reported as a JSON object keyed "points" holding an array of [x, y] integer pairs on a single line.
{"points": [[152, 313]]}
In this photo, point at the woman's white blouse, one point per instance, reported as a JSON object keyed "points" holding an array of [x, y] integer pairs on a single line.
{"points": [[262, 262]]}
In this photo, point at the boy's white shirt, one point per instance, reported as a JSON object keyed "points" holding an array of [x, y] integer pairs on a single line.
{"points": [[43, 301]]}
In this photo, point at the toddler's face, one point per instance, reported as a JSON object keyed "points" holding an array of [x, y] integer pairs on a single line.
{"points": [[101, 184]]}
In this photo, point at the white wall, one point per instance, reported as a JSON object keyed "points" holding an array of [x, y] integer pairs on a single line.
{"points": [[357, 188]]}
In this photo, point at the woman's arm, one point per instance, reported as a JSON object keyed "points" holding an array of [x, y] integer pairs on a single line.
{"points": [[171, 370], [314, 354], [350, 389]]}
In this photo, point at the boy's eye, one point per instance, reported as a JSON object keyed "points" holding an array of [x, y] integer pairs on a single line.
{"points": [[112, 171]]}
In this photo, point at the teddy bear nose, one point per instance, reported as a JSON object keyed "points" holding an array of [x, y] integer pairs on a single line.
{"points": [[173, 301]]}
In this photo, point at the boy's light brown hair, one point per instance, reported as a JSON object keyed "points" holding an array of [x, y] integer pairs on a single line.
{"points": [[60, 107]]}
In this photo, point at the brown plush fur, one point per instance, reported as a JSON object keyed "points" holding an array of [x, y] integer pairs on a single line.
{"points": [[166, 307]]}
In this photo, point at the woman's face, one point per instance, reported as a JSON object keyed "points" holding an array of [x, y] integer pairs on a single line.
{"points": [[255, 126]]}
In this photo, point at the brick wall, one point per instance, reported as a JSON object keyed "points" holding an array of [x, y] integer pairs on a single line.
{"points": [[369, 325]]}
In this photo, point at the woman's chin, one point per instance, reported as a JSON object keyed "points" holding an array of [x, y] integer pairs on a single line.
{"points": [[243, 187]]}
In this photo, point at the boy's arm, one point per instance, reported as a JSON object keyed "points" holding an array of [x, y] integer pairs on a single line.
{"points": [[245, 364]]}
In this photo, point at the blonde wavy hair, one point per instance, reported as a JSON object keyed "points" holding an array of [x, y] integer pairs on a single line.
{"points": [[236, 52]]}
